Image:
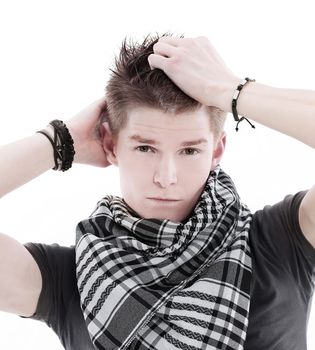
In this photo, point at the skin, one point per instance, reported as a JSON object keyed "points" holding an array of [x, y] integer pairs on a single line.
{"points": [[166, 169]]}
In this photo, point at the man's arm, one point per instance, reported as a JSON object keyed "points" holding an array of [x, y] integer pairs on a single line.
{"points": [[23, 160], [20, 278], [195, 67], [291, 112], [307, 216], [20, 162]]}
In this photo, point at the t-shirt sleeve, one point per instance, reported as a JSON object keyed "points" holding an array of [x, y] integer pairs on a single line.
{"points": [[282, 240], [56, 264]]}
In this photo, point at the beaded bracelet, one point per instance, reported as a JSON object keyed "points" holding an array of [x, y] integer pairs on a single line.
{"points": [[234, 102]]}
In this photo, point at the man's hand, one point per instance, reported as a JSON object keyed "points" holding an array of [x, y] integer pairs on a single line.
{"points": [[196, 68], [86, 130]]}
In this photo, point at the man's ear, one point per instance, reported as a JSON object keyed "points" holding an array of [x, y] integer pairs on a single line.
{"points": [[218, 150], [109, 144]]}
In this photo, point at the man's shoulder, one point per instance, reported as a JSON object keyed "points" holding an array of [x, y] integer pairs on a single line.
{"points": [[289, 202], [281, 215], [276, 233], [52, 248], [52, 259]]}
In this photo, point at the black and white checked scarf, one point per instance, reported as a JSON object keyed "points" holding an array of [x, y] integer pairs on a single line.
{"points": [[159, 284]]}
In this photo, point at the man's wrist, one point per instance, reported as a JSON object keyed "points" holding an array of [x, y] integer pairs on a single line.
{"points": [[225, 95], [62, 144], [76, 143]]}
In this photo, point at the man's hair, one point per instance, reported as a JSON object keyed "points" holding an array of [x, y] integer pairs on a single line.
{"points": [[133, 84]]}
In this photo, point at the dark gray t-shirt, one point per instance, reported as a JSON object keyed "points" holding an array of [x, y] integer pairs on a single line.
{"points": [[281, 291]]}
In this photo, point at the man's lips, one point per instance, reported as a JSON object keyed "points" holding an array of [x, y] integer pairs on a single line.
{"points": [[164, 199]]}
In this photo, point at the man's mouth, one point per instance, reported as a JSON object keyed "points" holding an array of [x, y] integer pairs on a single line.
{"points": [[164, 199]]}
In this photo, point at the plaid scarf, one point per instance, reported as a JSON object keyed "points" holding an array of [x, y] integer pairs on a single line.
{"points": [[159, 284]]}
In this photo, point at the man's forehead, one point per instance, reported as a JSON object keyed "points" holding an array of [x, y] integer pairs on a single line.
{"points": [[155, 119], [152, 126], [169, 127]]}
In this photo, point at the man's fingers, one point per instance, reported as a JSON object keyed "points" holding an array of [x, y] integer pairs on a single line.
{"points": [[157, 61], [164, 49], [170, 40], [101, 102]]}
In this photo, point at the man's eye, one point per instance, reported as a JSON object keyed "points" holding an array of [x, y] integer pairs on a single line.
{"points": [[187, 151], [143, 149], [191, 151]]}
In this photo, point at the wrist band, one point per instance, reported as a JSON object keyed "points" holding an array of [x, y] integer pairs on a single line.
{"points": [[62, 145], [234, 102], [66, 149], [57, 155]]}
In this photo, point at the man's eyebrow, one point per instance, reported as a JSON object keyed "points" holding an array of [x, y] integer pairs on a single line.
{"points": [[139, 138]]}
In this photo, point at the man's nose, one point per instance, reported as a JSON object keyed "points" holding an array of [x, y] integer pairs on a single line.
{"points": [[165, 173]]}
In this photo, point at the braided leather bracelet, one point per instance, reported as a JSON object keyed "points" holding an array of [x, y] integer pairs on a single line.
{"points": [[62, 145]]}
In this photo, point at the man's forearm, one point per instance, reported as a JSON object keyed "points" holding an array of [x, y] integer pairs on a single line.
{"points": [[289, 111], [23, 160]]}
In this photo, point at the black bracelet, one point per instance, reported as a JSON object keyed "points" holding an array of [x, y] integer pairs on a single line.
{"points": [[234, 102], [66, 148], [54, 148], [62, 145]]}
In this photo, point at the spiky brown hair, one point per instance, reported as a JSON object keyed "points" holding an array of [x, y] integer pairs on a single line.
{"points": [[132, 84]]}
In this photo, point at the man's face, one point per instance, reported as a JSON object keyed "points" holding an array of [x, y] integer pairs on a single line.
{"points": [[157, 158]]}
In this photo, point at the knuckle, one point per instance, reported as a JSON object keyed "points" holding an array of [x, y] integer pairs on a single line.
{"points": [[183, 52], [151, 56], [150, 59], [172, 63]]}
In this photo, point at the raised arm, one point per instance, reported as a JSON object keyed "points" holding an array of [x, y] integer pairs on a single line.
{"points": [[20, 162], [197, 68], [23, 160]]}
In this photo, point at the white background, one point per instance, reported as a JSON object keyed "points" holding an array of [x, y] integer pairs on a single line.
{"points": [[54, 60]]}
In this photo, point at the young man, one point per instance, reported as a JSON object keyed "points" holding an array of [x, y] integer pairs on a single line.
{"points": [[179, 262]]}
